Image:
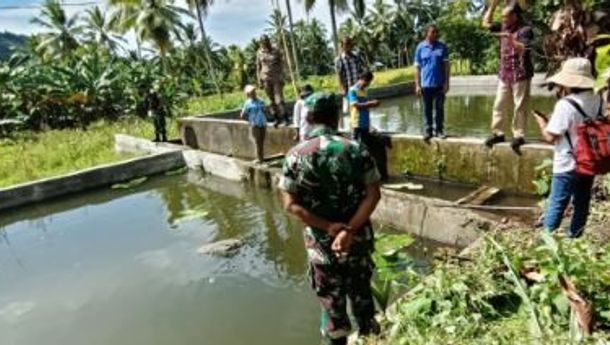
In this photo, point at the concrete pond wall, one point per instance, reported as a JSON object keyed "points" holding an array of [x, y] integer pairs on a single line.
{"points": [[100, 176], [463, 160]]}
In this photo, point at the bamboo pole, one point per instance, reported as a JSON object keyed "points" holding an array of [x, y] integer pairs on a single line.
{"points": [[286, 50]]}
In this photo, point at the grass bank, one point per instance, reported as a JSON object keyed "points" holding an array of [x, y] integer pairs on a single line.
{"points": [[30, 156], [234, 100], [508, 290]]}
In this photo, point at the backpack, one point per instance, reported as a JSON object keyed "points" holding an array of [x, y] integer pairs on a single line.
{"points": [[593, 152]]}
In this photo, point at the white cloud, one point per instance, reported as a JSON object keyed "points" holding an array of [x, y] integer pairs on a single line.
{"points": [[228, 22]]}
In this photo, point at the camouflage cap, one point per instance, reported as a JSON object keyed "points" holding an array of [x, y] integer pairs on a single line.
{"points": [[322, 103]]}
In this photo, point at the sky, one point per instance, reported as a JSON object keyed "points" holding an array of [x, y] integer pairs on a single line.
{"points": [[228, 22]]}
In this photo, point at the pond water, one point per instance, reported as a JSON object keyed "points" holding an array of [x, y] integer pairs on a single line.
{"points": [[120, 267], [464, 115]]}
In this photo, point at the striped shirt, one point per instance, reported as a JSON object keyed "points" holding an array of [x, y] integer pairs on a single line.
{"points": [[349, 66]]}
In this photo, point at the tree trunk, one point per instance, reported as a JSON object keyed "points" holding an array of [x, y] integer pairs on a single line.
{"points": [[333, 20], [286, 51], [206, 51], [293, 42], [138, 44]]}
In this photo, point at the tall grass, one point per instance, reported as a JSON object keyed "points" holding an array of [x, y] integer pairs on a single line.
{"points": [[29, 156]]}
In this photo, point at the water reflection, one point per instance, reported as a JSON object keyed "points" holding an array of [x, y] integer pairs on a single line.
{"points": [[466, 115], [121, 267]]}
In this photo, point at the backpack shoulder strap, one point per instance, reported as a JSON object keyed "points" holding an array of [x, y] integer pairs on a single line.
{"points": [[577, 107], [582, 112], [600, 112]]}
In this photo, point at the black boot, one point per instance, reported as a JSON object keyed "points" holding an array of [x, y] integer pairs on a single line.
{"points": [[494, 139], [369, 327], [516, 145]]}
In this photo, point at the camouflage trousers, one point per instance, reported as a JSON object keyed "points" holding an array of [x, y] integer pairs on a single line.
{"points": [[334, 282]]}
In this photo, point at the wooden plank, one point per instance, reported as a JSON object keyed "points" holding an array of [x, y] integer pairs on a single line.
{"points": [[479, 196]]}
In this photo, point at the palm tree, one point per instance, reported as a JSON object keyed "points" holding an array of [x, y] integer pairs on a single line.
{"points": [[152, 20], [59, 38], [99, 29], [157, 21], [240, 67], [314, 47], [293, 40], [334, 6], [126, 16], [201, 7], [278, 25]]}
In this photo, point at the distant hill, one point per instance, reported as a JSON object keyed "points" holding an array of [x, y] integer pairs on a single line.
{"points": [[7, 42]]}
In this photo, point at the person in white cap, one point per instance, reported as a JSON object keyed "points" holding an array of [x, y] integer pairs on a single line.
{"points": [[254, 112], [576, 83]]}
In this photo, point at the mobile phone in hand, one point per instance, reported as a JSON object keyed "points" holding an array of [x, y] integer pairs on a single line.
{"points": [[540, 114]]}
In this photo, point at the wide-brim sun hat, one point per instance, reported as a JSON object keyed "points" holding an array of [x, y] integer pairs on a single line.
{"points": [[249, 89], [574, 73]]}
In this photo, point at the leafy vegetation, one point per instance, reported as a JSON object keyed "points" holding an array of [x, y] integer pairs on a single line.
{"points": [[234, 100], [392, 263], [544, 174], [509, 291], [29, 156]]}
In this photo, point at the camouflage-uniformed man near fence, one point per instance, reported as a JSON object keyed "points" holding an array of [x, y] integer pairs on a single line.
{"points": [[331, 183], [269, 70]]}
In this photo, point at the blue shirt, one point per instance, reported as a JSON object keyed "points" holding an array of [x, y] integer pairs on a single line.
{"points": [[254, 109], [360, 118], [431, 57]]}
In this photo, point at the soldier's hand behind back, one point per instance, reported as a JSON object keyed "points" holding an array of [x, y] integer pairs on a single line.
{"points": [[342, 242], [335, 228]]}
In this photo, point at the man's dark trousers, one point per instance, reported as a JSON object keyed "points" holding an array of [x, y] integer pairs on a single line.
{"points": [[434, 97]]}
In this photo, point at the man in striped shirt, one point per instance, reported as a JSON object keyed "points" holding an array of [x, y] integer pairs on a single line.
{"points": [[349, 66]]}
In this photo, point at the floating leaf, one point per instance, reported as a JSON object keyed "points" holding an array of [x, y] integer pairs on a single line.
{"points": [[130, 184], [386, 243], [178, 171]]}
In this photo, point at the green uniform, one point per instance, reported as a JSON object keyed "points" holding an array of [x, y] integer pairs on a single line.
{"points": [[329, 173]]}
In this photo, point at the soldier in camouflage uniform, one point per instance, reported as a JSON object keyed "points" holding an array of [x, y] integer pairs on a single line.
{"points": [[331, 183]]}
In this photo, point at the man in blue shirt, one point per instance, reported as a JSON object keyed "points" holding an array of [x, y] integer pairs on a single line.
{"points": [[432, 74]]}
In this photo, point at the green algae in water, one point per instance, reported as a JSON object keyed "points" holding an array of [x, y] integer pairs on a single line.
{"points": [[131, 184]]}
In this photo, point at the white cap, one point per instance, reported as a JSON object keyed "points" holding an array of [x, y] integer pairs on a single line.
{"points": [[249, 89]]}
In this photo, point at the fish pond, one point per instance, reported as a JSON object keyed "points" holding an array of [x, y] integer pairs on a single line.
{"points": [[465, 115], [121, 267]]}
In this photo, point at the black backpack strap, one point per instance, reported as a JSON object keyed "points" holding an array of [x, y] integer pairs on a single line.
{"points": [[577, 107], [600, 112], [582, 112]]}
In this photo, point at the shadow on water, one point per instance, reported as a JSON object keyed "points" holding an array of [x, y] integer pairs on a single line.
{"points": [[121, 267]]}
